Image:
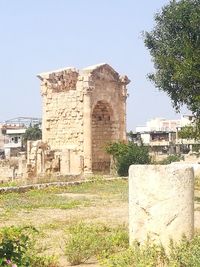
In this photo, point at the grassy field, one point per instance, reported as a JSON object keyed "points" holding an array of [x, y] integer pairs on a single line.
{"points": [[52, 210]]}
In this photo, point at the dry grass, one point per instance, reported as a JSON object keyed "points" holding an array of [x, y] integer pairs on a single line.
{"points": [[53, 209]]}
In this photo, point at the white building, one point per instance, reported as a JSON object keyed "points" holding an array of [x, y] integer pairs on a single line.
{"points": [[162, 124], [162, 134], [14, 140], [11, 134]]}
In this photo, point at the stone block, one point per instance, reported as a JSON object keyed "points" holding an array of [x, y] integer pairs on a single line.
{"points": [[161, 203]]}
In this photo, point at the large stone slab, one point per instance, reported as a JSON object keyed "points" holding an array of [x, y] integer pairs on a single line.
{"points": [[161, 202]]}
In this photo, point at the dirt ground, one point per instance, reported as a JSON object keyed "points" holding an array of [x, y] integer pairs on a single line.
{"points": [[111, 209]]}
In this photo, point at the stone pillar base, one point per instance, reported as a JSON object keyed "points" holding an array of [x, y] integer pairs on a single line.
{"points": [[161, 203]]}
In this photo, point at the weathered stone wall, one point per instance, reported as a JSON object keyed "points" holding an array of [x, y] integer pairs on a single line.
{"points": [[41, 160], [62, 110], [8, 169], [82, 112], [108, 108], [102, 134], [161, 203], [111, 95]]}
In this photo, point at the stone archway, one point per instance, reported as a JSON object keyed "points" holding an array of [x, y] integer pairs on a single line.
{"points": [[102, 125]]}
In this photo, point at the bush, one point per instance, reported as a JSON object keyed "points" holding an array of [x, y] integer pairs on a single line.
{"points": [[127, 154], [43, 261], [17, 248], [184, 254], [82, 243], [150, 255], [14, 243], [86, 241]]}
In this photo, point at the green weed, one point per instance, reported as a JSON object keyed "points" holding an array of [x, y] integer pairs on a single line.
{"points": [[197, 182], [86, 241], [39, 199], [183, 254]]}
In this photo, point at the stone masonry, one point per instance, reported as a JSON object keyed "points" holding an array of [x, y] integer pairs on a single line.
{"points": [[83, 110]]}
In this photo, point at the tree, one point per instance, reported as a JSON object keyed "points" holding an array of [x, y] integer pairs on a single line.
{"points": [[131, 136], [127, 154], [174, 45], [32, 133], [187, 132]]}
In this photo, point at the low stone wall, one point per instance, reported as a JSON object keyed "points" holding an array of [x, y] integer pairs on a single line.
{"points": [[25, 188], [161, 203]]}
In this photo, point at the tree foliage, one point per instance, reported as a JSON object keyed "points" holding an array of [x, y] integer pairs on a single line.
{"points": [[190, 131], [174, 45], [131, 136], [128, 154], [32, 133], [187, 132]]}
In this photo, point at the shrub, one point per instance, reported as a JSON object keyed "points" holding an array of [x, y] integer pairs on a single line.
{"points": [[82, 243], [112, 240], [150, 255], [86, 241], [183, 254], [186, 254], [43, 261], [18, 248], [127, 154], [14, 243]]}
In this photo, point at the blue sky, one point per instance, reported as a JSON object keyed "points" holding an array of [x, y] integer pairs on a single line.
{"points": [[42, 35]]}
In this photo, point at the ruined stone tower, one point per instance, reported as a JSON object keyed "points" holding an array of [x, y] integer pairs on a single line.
{"points": [[82, 112]]}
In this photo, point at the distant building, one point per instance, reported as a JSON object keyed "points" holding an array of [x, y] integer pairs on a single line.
{"points": [[162, 124], [14, 141], [23, 122], [11, 134], [162, 135]]}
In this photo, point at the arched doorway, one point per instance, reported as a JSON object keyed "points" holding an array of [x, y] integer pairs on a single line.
{"points": [[102, 124]]}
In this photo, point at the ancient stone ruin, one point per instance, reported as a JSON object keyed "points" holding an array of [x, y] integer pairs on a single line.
{"points": [[161, 203], [83, 110]]}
